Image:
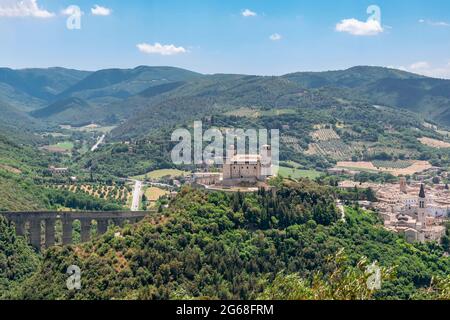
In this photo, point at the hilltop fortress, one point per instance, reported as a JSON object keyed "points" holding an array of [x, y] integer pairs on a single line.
{"points": [[239, 170]]}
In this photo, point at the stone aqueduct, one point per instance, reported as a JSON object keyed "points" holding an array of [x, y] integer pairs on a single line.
{"points": [[34, 221]]}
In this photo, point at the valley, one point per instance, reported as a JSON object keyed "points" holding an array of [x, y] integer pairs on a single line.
{"points": [[101, 142]]}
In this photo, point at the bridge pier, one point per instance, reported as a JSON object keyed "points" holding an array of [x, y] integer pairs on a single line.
{"points": [[67, 231], [119, 222], [20, 227], [35, 233], [49, 233], [102, 226], [85, 230]]}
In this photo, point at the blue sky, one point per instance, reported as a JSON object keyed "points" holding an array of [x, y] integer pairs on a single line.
{"points": [[215, 36]]}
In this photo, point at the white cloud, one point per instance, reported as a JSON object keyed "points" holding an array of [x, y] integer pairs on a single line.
{"points": [[360, 28], [420, 65], [249, 13], [427, 69], [275, 37], [157, 48], [23, 8], [100, 11], [435, 23]]}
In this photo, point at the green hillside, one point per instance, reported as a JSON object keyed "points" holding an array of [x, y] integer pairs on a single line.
{"points": [[72, 111], [115, 95], [218, 246], [427, 96], [109, 85], [16, 120], [29, 89]]}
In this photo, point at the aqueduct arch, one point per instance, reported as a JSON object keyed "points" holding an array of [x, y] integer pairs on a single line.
{"points": [[35, 220]]}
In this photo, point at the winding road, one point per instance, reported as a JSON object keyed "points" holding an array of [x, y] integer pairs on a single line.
{"points": [[99, 142], [136, 195]]}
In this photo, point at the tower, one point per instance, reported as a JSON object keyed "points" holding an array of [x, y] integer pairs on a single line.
{"points": [[421, 213], [227, 171], [403, 185], [266, 161]]}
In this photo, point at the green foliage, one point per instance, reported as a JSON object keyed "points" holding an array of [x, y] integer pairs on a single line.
{"points": [[225, 246], [343, 283], [17, 260]]}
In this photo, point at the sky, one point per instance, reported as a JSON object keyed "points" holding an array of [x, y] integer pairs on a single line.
{"points": [[264, 37]]}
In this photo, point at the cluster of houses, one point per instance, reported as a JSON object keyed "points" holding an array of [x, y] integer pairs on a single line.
{"points": [[417, 211]]}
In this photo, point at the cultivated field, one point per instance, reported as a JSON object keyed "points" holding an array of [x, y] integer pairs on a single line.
{"points": [[335, 149], [10, 169], [401, 164], [328, 144], [293, 142], [67, 145], [298, 173], [325, 135], [396, 170], [158, 174], [434, 143], [153, 193], [61, 147], [117, 193], [90, 128], [256, 113]]}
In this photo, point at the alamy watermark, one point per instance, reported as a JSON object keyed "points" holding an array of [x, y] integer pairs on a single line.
{"points": [[73, 282], [374, 279], [375, 13], [73, 21]]}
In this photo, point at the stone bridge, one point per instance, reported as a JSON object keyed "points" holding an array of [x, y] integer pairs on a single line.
{"points": [[30, 224]]}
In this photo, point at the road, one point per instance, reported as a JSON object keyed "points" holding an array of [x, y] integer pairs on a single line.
{"points": [[136, 195], [99, 142]]}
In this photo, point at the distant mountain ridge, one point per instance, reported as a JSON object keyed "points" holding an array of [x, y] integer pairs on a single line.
{"points": [[29, 89], [126, 82], [135, 96]]}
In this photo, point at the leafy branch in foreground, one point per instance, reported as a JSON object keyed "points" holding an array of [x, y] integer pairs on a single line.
{"points": [[343, 283]]}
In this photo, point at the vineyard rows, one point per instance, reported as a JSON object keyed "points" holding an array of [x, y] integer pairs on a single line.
{"points": [[392, 164], [325, 135], [120, 194], [336, 149]]}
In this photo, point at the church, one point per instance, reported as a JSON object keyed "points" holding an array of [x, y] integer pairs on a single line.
{"points": [[414, 222]]}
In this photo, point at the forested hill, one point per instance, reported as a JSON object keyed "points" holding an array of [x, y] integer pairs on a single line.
{"points": [[384, 86], [218, 94], [219, 246], [17, 260], [135, 97]]}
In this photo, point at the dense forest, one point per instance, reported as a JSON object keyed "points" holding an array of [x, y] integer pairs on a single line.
{"points": [[17, 260], [291, 244]]}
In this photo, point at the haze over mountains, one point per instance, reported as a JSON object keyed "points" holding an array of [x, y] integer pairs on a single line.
{"points": [[152, 97]]}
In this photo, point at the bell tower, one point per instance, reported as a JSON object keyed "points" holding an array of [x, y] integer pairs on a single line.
{"points": [[421, 213]]}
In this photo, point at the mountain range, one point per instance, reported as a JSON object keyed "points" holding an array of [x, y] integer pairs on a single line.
{"points": [[144, 98]]}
